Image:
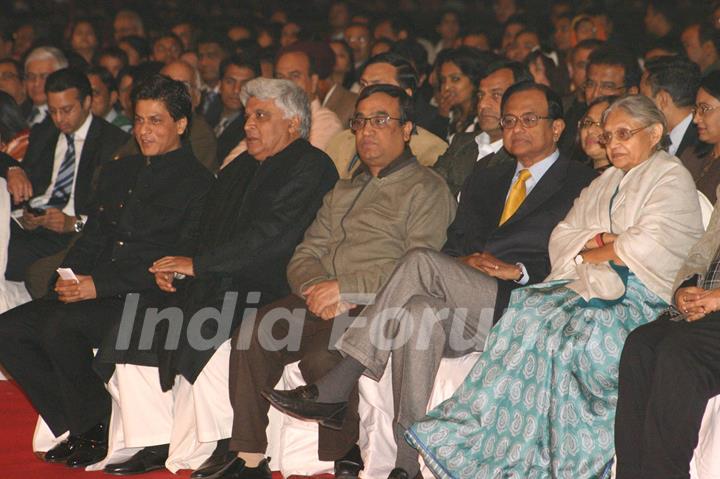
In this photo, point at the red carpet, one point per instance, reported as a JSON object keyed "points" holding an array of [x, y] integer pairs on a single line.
{"points": [[17, 461]]}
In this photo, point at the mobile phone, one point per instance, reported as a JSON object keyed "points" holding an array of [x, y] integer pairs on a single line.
{"points": [[35, 211], [67, 274]]}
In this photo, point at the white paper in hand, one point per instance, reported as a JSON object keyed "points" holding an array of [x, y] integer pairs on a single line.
{"points": [[67, 274]]}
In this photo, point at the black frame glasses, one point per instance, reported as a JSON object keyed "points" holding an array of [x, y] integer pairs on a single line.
{"points": [[528, 120], [378, 122]]}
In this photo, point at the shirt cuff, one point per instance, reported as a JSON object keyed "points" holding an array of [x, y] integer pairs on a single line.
{"points": [[525, 277]]}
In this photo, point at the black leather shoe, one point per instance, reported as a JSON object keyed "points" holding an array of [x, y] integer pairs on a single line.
{"points": [[90, 447], [146, 460], [87, 452], [236, 469], [398, 473], [217, 461], [350, 465], [62, 451], [302, 403]]}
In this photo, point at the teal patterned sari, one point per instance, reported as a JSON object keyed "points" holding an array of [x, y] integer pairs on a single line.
{"points": [[540, 402]]}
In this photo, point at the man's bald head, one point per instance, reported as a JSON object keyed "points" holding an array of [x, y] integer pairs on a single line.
{"points": [[182, 71]]}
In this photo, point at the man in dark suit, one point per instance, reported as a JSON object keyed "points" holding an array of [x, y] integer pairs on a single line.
{"points": [[147, 206], [497, 243], [672, 83], [485, 148], [57, 174], [235, 72]]}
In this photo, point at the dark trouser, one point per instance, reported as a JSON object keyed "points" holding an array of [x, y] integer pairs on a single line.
{"points": [[258, 366], [668, 371], [47, 348], [26, 247]]}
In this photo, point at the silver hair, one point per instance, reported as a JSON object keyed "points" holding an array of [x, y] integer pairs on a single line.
{"points": [[289, 97], [644, 110], [47, 53]]}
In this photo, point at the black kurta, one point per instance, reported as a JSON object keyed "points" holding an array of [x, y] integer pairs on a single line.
{"points": [[255, 216]]}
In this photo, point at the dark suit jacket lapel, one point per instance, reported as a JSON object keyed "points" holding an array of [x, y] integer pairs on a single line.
{"points": [[549, 184], [689, 139], [498, 185]]}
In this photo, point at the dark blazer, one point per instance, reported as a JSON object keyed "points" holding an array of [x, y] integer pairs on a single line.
{"points": [[524, 237], [342, 103], [211, 108], [690, 140], [230, 137], [704, 169], [103, 139], [145, 209], [461, 158]]}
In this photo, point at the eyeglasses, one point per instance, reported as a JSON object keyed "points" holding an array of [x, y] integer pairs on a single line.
{"points": [[529, 120], [702, 109], [379, 122], [586, 123], [621, 134], [607, 86]]}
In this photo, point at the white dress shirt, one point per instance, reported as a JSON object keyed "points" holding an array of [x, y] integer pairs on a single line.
{"points": [[40, 114], [485, 147]]}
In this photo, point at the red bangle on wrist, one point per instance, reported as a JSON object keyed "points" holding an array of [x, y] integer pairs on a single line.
{"points": [[599, 240]]}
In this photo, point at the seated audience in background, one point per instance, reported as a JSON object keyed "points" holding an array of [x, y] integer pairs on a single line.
{"points": [[47, 344], [483, 148], [672, 83], [136, 48], [127, 22], [526, 41], [104, 98], [387, 69], [83, 39], [14, 131], [166, 48], [212, 49], [574, 104], [255, 215], [358, 38], [39, 64], [54, 183], [611, 71], [459, 75], [344, 69], [114, 60], [295, 63], [701, 42], [12, 83], [546, 383], [235, 72], [591, 151], [702, 160], [333, 96], [489, 252], [390, 206]]}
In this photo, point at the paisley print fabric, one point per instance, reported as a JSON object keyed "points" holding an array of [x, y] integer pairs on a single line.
{"points": [[540, 402]]}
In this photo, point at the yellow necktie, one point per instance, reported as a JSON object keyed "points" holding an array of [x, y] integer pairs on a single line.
{"points": [[516, 196]]}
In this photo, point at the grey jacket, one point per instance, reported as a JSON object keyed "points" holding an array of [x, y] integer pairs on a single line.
{"points": [[366, 224]]}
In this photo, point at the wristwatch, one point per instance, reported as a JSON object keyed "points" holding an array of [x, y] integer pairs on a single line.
{"points": [[579, 259], [78, 226]]}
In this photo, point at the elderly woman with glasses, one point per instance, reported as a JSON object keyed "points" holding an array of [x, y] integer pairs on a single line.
{"points": [[702, 161], [540, 402]]}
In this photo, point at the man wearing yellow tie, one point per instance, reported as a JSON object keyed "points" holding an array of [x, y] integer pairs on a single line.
{"points": [[435, 304]]}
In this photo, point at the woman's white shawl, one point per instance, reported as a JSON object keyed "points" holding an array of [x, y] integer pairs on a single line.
{"points": [[656, 215]]}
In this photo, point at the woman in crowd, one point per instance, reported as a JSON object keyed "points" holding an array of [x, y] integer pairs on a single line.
{"points": [[344, 70], [702, 161], [459, 72], [14, 131], [83, 39], [540, 402], [591, 150]]}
